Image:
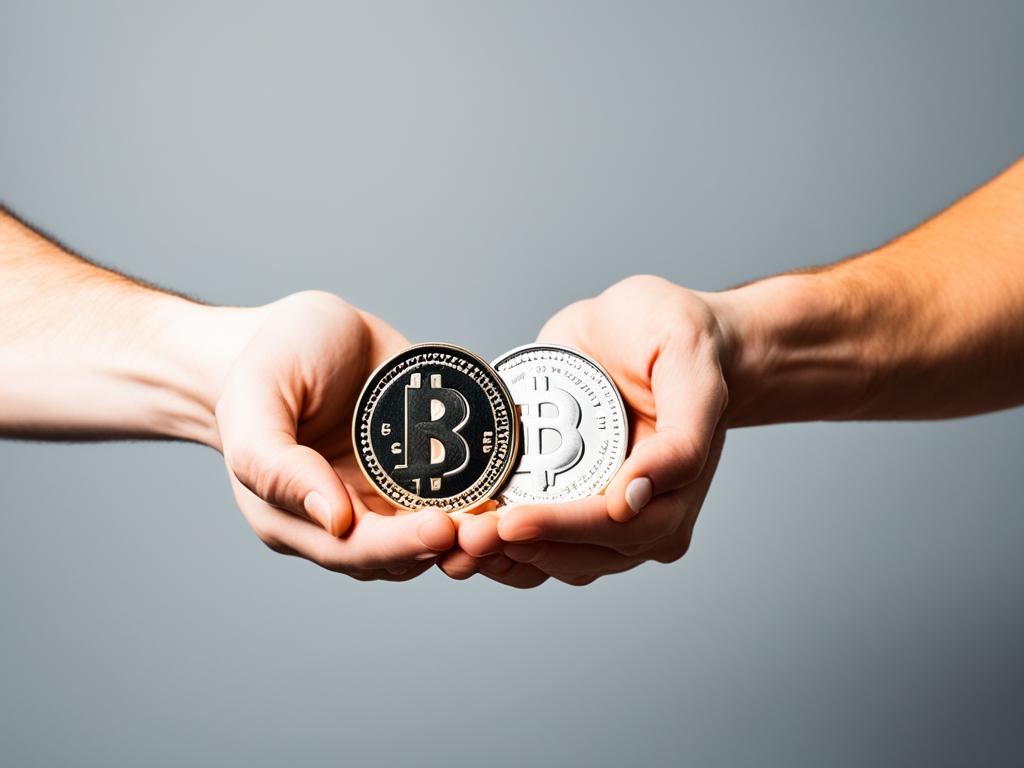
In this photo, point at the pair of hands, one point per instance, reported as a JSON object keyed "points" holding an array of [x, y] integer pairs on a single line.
{"points": [[284, 422]]}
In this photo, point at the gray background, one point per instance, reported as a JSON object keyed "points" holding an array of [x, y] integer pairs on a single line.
{"points": [[853, 593]]}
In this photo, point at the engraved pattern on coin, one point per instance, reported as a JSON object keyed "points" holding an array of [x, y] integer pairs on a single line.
{"points": [[575, 432], [544, 466], [435, 427]]}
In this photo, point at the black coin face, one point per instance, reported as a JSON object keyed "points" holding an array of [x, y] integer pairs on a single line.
{"points": [[435, 427]]}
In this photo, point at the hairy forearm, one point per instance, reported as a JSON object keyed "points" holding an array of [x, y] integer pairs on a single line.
{"points": [[86, 353], [928, 326]]}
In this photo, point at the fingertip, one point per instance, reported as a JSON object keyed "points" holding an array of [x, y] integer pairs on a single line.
{"points": [[479, 535], [616, 504], [436, 531], [335, 515], [618, 508], [344, 511], [319, 509], [514, 524], [457, 565], [638, 495]]}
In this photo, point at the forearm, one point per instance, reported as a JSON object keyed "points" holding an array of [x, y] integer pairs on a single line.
{"points": [[929, 326], [86, 353]]}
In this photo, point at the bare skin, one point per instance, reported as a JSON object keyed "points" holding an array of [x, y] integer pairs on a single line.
{"points": [[929, 326], [87, 354]]}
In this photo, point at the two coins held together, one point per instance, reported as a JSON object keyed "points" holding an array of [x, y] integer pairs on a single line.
{"points": [[436, 426]]}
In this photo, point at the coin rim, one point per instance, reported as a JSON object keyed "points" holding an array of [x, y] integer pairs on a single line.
{"points": [[513, 418], [615, 388]]}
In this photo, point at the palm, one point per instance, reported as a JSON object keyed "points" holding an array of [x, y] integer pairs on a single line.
{"points": [[659, 343], [627, 341], [286, 418], [346, 352]]}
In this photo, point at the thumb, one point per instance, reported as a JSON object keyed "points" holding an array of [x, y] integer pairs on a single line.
{"points": [[689, 399], [295, 478], [258, 437]]}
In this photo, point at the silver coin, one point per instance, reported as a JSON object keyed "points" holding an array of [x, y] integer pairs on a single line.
{"points": [[573, 424]]}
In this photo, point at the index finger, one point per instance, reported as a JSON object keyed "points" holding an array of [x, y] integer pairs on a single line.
{"points": [[374, 541], [587, 522]]}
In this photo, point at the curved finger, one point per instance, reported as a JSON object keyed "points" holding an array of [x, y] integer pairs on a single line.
{"points": [[478, 534], [457, 565], [518, 575], [374, 542], [587, 522], [572, 563]]}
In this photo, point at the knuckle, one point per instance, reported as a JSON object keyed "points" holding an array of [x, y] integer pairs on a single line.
{"points": [[639, 282], [723, 393], [220, 409], [571, 322], [650, 532], [683, 454], [266, 534], [675, 549], [315, 299], [531, 583], [579, 581], [277, 547], [272, 543], [633, 550], [327, 556], [321, 304], [266, 479]]}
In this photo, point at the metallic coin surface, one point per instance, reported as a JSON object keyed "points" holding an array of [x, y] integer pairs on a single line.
{"points": [[435, 427], [575, 431]]}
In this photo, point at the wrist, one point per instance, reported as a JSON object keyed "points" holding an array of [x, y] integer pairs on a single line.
{"points": [[791, 351], [195, 346]]}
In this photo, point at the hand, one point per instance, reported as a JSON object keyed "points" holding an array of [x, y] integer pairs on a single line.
{"points": [[285, 419], [663, 346]]}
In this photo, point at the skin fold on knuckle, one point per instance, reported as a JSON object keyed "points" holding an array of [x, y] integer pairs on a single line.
{"points": [[680, 454], [274, 545], [327, 555], [256, 470], [674, 549], [645, 534]]}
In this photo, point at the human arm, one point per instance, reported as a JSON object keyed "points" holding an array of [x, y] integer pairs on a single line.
{"points": [[87, 354], [930, 325]]}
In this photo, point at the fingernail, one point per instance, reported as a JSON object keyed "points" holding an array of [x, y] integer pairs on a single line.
{"points": [[497, 564], [523, 553], [316, 506], [436, 533], [638, 493]]}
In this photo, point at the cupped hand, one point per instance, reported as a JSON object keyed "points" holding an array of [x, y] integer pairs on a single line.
{"points": [[663, 346], [285, 423]]}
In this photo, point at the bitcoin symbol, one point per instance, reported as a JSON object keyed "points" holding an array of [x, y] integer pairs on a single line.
{"points": [[544, 466], [433, 446]]}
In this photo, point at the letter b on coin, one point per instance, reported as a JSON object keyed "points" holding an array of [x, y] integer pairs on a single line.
{"points": [[435, 427], [433, 446], [574, 424], [541, 426]]}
